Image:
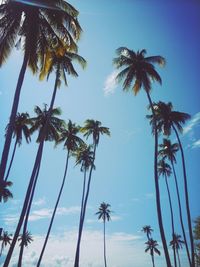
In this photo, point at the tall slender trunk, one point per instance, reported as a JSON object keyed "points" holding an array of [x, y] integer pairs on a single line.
{"points": [[1, 249], [159, 213], [172, 218], [152, 258], [27, 216], [83, 194], [180, 213], [11, 161], [179, 262], [186, 198], [77, 255], [25, 205], [8, 139], [104, 242], [54, 212], [31, 182]]}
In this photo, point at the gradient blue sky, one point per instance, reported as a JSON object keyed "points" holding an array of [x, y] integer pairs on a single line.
{"points": [[124, 164]]}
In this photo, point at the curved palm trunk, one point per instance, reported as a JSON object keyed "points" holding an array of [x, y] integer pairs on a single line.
{"points": [[1, 249], [11, 161], [180, 214], [159, 213], [186, 198], [26, 218], [77, 255], [152, 258], [54, 212], [172, 218], [83, 194], [31, 182], [25, 205], [104, 242], [179, 262], [7, 144]]}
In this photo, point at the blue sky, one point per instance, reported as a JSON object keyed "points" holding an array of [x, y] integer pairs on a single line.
{"points": [[124, 164]]}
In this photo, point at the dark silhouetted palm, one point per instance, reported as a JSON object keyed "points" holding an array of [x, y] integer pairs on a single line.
{"points": [[138, 72], [169, 120], [164, 170], [104, 214], [147, 230], [35, 28], [71, 143], [177, 244], [20, 129], [168, 151], [95, 129], [5, 239], [25, 239], [152, 248], [56, 64], [5, 193]]}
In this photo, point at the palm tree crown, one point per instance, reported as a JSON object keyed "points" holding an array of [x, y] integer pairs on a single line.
{"points": [[167, 118], [164, 169], [138, 70], [176, 242], [54, 124], [152, 246], [84, 156], [5, 240], [147, 230], [5, 193], [94, 128], [25, 239], [36, 27], [168, 150], [104, 212]]}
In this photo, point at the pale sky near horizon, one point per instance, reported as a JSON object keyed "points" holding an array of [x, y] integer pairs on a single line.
{"points": [[124, 164]]}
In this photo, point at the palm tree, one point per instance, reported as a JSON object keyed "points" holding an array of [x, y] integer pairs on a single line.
{"points": [[176, 243], [71, 143], [5, 240], [164, 169], [20, 129], [5, 193], [104, 214], [25, 239], [147, 230], [37, 27], [95, 129], [139, 72], [168, 151], [59, 60], [169, 120], [152, 248], [46, 133]]}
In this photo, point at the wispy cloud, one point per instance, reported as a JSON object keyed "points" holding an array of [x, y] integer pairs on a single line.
{"points": [[40, 202], [61, 247], [41, 214], [195, 120], [196, 144], [110, 83], [114, 218]]}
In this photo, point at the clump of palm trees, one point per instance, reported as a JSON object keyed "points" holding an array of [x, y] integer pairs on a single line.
{"points": [[138, 71]]}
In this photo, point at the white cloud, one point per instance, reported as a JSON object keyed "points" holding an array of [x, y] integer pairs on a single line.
{"points": [[196, 144], [114, 218], [149, 196], [123, 250], [195, 120], [40, 202], [110, 84], [44, 213]]}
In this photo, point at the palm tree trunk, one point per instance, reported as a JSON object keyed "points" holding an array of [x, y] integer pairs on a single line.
{"points": [[180, 214], [83, 194], [159, 213], [11, 161], [1, 249], [26, 218], [172, 218], [31, 182], [54, 212], [7, 144], [104, 242], [77, 255], [25, 205], [179, 262], [186, 197], [152, 258]]}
